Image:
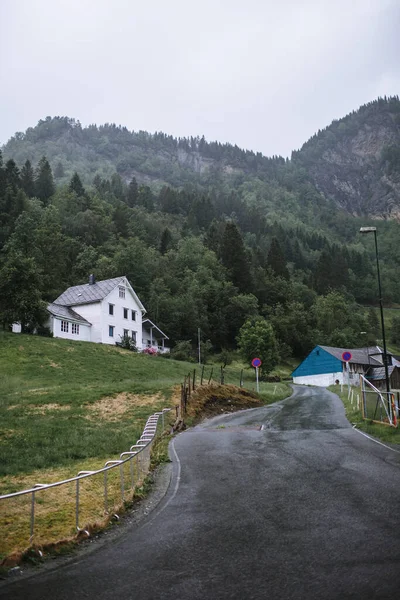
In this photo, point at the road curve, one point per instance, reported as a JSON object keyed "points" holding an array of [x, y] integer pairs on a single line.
{"points": [[281, 502]]}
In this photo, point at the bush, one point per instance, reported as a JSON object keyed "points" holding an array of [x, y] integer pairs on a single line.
{"points": [[128, 343], [182, 351], [150, 351], [44, 331]]}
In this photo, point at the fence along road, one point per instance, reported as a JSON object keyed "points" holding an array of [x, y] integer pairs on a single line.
{"points": [[106, 490], [303, 508]]}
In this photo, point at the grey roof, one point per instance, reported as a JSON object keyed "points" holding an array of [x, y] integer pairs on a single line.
{"points": [[360, 356], [64, 312], [379, 372], [88, 293], [145, 322]]}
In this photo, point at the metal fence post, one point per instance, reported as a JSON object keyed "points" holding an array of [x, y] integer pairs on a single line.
{"points": [[32, 515], [121, 473], [77, 505], [105, 492]]}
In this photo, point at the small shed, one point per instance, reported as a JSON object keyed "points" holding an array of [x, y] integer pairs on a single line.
{"points": [[378, 378]]}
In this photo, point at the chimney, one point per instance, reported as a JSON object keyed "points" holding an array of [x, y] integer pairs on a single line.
{"points": [[92, 279]]}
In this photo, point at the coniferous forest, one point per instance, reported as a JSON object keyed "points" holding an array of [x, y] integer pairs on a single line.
{"points": [[209, 235]]}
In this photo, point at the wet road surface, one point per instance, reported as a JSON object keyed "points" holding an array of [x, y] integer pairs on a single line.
{"points": [[281, 502]]}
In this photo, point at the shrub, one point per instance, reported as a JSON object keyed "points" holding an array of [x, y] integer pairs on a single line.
{"points": [[150, 351], [182, 351], [127, 342]]}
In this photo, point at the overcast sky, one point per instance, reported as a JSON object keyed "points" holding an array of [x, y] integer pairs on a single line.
{"points": [[263, 74]]}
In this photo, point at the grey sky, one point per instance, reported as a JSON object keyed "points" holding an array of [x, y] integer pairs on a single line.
{"points": [[263, 74]]}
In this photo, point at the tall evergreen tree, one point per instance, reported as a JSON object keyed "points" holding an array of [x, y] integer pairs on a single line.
{"points": [[322, 280], [44, 183], [59, 170], [28, 179], [12, 174], [234, 258], [166, 239], [133, 192], [276, 259], [75, 185]]}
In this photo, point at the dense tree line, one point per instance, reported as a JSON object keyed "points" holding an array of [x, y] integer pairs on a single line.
{"points": [[211, 259]]}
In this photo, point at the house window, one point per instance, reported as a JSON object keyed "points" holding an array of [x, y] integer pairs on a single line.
{"points": [[75, 328], [126, 333], [121, 292], [125, 313], [134, 336], [111, 330], [133, 315], [64, 326], [111, 309]]}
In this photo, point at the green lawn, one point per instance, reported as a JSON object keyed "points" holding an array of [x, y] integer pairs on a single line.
{"points": [[64, 402]]}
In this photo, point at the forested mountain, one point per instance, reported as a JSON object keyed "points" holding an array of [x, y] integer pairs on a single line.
{"points": [[356, 160], [209, 235]]}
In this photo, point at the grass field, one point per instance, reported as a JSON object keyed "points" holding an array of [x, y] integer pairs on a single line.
{"points": [[70, 406], [65, 402]]}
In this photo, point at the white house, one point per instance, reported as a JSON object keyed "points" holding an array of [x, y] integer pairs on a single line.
{"points": [[103, 312]]}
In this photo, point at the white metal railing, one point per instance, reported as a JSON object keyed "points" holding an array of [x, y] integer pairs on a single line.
{"points": [[140, 452], [382, 403]]}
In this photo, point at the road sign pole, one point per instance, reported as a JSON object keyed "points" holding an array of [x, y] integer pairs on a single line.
{"points": [[258, 389]]}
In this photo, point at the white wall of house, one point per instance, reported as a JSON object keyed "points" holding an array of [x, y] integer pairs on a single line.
{"points": [[322, 380], [92, 313], [81, 331], [117, 320]]}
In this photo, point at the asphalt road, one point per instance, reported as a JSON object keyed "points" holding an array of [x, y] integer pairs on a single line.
{"points": [[304, 508]]}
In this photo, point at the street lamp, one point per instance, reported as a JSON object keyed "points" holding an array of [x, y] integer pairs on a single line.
{"points": [[385, 358]]}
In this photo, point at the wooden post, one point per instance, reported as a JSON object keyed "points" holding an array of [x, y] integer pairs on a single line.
{"points": [[222, 375], [202, 375], [241, 379], [182, 399], [189, 384], [194, 379]]}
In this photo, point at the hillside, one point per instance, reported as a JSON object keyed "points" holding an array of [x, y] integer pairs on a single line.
{"points": [[151, 158], [356, 160], [209, 235]]}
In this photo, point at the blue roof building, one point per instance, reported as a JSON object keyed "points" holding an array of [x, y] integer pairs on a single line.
{"points": [[325, 366]]}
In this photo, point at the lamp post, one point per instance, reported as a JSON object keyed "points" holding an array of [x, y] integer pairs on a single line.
{"points": [[385, 358]]}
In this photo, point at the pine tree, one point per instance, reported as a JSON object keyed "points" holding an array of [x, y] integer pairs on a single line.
{"points": [[59, 170], [322, 279], [234, 258], [28, 179], [75, 185], [133, 192], [276, 259], [166, 239], [44, 183], [12, 174]]}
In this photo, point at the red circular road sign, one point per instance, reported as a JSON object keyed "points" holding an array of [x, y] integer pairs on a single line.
{"points": [[256, 362], [346, 356]]}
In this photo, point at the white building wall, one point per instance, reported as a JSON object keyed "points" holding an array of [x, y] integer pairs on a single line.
{"points": [[117, 320], [322, 380], [83, 335], [92, 313]]}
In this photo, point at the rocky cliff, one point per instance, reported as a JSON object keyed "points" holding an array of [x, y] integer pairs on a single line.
{"points": [[356, 161]]}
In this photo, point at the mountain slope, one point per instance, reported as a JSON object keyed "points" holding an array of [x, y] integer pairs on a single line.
{"points": [[356, 160]]}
